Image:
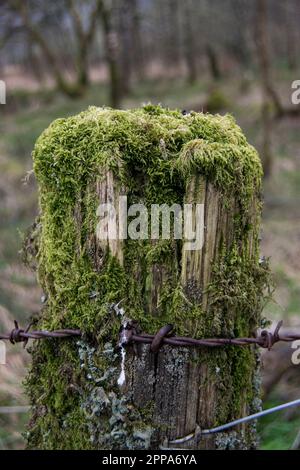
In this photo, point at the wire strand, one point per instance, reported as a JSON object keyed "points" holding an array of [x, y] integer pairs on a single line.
{"points": [[223, 427]]}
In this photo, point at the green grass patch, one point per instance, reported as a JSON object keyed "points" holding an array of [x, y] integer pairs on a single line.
{"points": [[277, 432]]}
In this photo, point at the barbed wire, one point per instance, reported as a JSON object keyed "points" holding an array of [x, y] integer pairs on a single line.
{"points": [[266, 339], [18, 335], [130, 334]]}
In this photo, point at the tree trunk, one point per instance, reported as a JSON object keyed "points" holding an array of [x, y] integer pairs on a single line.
{"points": [[189, 42], [213, 62], [271, 106], [92, 393], [34, 65], [111, 54], [126, 45], [137, 39], [269, 95], [291, 41]]}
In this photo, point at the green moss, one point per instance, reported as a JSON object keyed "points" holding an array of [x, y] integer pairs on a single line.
{"points": [[153, 152], [56, 384], [73, 152], [234, 168]]}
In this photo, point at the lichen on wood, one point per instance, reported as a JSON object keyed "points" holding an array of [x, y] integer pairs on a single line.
{"points": [[154, 156]]}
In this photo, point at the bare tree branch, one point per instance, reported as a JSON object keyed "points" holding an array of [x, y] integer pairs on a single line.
{"points": [[84, 40]]}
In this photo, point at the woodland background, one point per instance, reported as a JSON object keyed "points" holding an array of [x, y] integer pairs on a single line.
{"points": [[238, 56]]}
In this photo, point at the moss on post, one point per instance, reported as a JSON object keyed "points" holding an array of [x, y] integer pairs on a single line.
{"points": [[154, 156]]}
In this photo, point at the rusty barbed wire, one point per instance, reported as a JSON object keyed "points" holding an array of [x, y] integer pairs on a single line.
{"points": [[18, 335], [266, 339], [130, 334]]}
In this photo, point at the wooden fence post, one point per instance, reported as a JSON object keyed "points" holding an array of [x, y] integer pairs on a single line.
{"points": [[151, 156]]}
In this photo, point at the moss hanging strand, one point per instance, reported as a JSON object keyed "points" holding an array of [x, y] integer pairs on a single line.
{"points": [[153, 156]]}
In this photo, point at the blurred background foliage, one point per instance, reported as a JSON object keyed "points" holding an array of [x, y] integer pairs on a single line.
{"points": [[58, 57]]}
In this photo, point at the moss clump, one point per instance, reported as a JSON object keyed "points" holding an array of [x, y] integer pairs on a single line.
{"points": [[74, 152], [153, 152]]}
